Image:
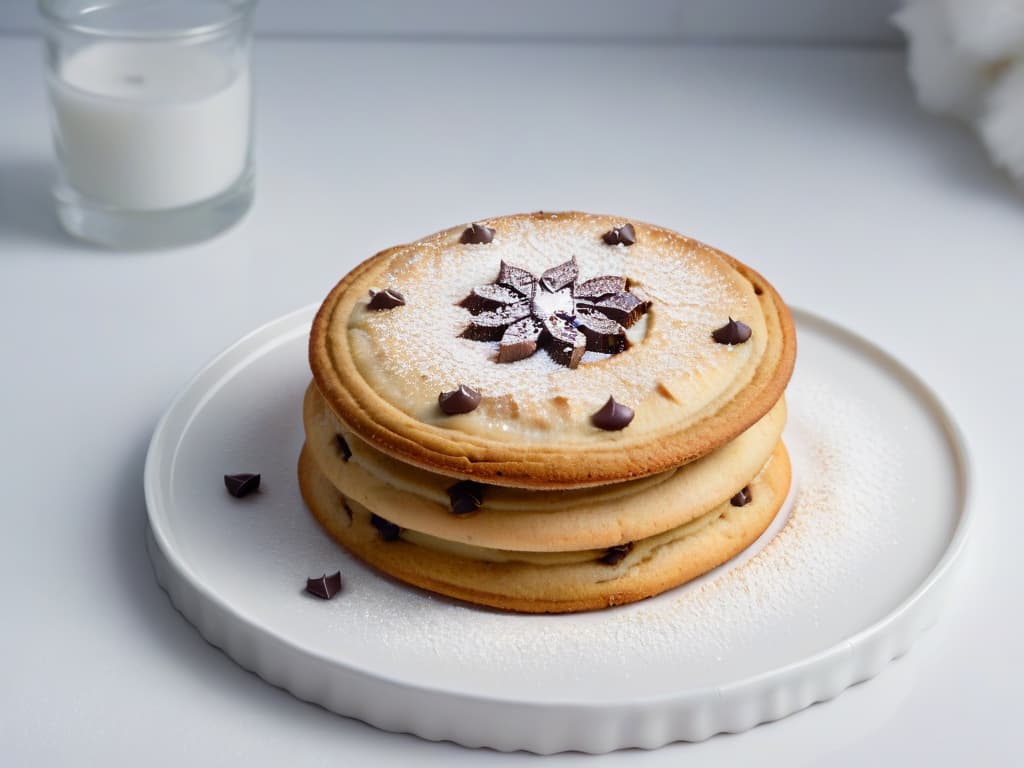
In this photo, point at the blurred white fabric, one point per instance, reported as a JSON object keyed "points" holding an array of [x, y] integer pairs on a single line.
{"points": [[967, 61]]}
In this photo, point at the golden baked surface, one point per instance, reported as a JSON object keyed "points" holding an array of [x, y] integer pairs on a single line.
{"points": [[551, 582], [536, 520], [381, 370]]}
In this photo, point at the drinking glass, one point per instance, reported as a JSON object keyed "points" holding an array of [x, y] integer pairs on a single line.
{"points": [[151, 107]]}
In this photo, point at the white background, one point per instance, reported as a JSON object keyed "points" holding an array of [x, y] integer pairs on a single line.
{"points": [[809, 162], [828, 21]]}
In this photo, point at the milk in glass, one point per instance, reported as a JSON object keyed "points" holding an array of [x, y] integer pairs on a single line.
{"points": [[150, 126]]}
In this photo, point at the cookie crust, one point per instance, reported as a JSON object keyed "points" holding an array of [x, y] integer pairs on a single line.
{"points": [[532, 520], [667, 432], [651, 567]]}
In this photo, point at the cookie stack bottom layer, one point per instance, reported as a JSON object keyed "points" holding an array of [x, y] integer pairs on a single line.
{"points": [[570, 580], [577, 581]]}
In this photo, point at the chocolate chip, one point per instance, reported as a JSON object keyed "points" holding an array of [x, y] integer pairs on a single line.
{"points": [[612, 416], [742, 498], [389, 298], [466, 497], [624, 235], [241, 485], [325, 587], [733, 332], [461, 400], [616, 554], [342, 446], [388, 531], [477, 234]]}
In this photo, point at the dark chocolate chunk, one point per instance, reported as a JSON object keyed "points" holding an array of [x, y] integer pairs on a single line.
{"points": [[624, 235], [490, 297], [742, 498], [466, 496], [612, 416], [566, 345], [733, 332], [342, 446], [241, 485], [325, 587], [598, 287], [557, 278], [461, 400], [616, 554], [491, 325], [517, 278], [389, 298], [519, 340], [388, 531], [624, 308], [477, 234], [603, 335]]}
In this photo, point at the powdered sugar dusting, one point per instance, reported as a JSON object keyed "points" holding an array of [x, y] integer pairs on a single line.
{"points": [[411, 353], [845, 472]]}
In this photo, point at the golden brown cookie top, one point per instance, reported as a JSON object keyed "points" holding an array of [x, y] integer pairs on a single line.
{"points": [[491, 350]]}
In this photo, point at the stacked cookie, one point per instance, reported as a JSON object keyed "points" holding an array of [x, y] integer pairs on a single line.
{"points": [[548, 412]]}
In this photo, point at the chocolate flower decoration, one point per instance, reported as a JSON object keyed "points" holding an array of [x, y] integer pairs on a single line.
{"points": [[554, 312]]}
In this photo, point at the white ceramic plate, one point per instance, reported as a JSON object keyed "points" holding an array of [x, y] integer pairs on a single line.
{"points": [[853, 569]]}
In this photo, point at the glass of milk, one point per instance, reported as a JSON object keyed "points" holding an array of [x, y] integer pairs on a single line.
{"points": [[151, 108]]}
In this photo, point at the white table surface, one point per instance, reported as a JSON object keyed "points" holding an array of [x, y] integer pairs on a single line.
{"points": [[812, 164]]}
